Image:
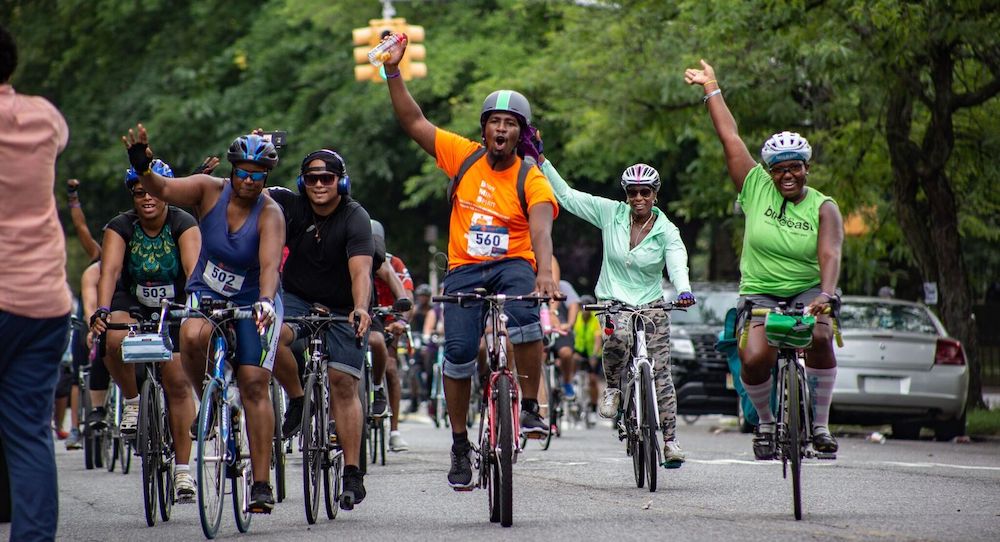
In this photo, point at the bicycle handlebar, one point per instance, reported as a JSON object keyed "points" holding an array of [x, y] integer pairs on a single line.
{"points": [[612, 307], [216, 310], [464, 298], [763, 311]]}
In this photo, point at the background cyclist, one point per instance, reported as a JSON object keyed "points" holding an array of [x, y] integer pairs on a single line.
{"points": [[243, 232], [791, 253], [639, 241], [148, 254], [588, 337], [517, 260]]}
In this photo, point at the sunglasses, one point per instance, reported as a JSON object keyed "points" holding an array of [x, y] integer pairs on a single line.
{"points": [[255, 176], [637, 192], [325, 179], [794, 170], [140, 194]]}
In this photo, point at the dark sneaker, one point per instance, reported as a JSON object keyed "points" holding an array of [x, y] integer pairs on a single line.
{"points": [[823, 441], [532, 425], [354, 488], [380, 407], [460, 474], [261, 498], [293, 417], [763, 442], [95, 419]]}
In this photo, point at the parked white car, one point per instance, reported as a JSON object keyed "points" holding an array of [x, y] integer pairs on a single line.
{"points": [[899, 366]]}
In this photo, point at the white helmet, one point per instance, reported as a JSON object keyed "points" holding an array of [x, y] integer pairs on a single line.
{"points": [[785, 146], [641, 175]]}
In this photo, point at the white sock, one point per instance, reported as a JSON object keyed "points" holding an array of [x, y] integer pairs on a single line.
{"points": [[821, 389], [760, 396], [132, 401], [394, 433], [181, 468]]}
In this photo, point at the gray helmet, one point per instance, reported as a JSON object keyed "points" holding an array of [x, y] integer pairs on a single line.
{"points": [[423, 289], [510, 101], [377, 229]]}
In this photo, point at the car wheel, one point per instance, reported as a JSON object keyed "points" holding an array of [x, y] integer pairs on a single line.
{"points": [[949, 429], [745, 426], [906, 430]]}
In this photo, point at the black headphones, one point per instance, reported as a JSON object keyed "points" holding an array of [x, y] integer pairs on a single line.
{"points": [[334, 164]]}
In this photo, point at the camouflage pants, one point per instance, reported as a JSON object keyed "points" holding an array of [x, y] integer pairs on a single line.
{"points": [[617, 349]]}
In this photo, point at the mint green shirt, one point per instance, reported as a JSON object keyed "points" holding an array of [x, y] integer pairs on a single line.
{"points": [[779, 254], [633, 275]]}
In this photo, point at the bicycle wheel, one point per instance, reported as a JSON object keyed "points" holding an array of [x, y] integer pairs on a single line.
{"points": [[312, 445], [333, 479], [505, 438], [85, 407], [650, 446], [794, 448], [165, 449], [278, 444], [110, 445], [242, 477], [382, 440], [436, 402], [125, 453], [147, 441], [552, 397], [638, 452], [211, 459]]}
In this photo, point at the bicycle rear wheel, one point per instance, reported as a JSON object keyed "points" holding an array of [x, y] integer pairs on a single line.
{"points": [[278, 444], [333, 476], [382, 440], [86, 406], [505, 461], [211, 459], [650, 445], [552, 397], [436, 402], [312, 445], [794, 444], [147, 441], [242, 472]]}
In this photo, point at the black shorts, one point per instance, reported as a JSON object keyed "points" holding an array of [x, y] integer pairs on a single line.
{"points": [[126, 302], [564, 341], [584, 365]]}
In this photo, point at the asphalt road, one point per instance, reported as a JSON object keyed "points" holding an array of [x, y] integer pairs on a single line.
{"points": [[582, 488]]}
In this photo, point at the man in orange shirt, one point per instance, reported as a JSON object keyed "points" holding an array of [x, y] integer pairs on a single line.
{"points": [[34, 299], [499, 239]]}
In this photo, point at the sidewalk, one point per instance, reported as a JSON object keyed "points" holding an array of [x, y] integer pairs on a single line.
{"points": [[991, 395]]}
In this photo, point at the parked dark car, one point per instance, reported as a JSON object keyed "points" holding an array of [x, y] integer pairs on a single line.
{"points": [[701, 374]]}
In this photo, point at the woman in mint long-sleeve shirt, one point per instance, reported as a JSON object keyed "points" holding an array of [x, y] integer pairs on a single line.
{"points": [[639, 241]]}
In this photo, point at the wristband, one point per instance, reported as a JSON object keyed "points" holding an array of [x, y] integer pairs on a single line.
{"points": [[828, 296], [709, 82], [710, 94], [74, 203], [393, 75]]}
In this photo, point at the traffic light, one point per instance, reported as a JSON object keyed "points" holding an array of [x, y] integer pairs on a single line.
{"points": [[369, 36]]}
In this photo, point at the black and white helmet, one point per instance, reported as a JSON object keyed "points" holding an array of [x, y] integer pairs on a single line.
{"points": [[641, 175], [785, 146]]}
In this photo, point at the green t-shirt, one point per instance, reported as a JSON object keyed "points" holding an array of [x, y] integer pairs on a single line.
{"points": [[779, 254]]}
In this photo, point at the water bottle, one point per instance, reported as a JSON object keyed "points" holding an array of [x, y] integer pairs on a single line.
{"points": [[380, 53], [546, 318]]}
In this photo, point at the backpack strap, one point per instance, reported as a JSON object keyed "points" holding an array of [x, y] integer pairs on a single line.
{"points": [[522, 177]]}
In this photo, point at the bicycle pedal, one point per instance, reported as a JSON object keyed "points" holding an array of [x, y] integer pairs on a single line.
{"points": [[463, 489], [671, 464], [825, 455]]}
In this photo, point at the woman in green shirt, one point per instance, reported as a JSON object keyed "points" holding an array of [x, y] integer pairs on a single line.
{"points": [[791, 253], [639, 241]]}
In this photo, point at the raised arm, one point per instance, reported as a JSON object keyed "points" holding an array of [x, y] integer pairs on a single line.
{"points": [[591, 208], [410, 117], [184, 191], [90, 245], [738, 159]]}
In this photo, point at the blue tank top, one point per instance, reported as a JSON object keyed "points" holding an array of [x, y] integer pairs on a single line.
{"points": [[229, 263]]}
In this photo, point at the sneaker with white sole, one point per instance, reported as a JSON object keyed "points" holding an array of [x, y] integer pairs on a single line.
{"points": [[610, 403], [673, 456], [396, 442], [130, 418], [184, 486]]}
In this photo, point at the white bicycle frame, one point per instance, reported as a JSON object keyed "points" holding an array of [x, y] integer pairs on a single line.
{"points": [[640, 358]]}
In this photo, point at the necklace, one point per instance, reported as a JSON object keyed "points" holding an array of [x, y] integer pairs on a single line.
{"points": [[317, 226], [635, 237]]}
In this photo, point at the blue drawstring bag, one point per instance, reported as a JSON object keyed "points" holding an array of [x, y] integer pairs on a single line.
{"points": [[727, 345]]}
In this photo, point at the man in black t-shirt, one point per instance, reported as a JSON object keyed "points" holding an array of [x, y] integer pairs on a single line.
{"points": [[329, 240]]}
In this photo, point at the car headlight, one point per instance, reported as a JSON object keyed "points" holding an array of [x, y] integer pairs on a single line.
{"points": [[681, 348]]}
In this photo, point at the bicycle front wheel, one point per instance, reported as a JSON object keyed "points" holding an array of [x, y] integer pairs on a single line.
{"points": [[147, 441], [633, 443], [552, 397], [505, 461], [211, 459], [165, 452], [650, 445], [312, 446], [242, 473], [333, 476], [793, 451]]}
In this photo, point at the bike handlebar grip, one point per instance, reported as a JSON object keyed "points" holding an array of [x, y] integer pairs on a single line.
{"points": [[760, 312], [745, 334], [179, 313], [444, 299], [836, 334], [593, 307]]}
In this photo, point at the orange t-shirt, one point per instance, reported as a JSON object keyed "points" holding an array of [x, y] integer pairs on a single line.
{"points": [[487, 221]]}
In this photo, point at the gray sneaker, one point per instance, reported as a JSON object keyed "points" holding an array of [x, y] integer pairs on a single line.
{"points": [[673, 456], [73, 440], [610, 403]]}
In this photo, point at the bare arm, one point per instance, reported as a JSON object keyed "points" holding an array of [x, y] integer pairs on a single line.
{"points": [[389, 276], [361, 290], [111, 270], [430, 322], [272, 238], [90, 245], [190, 245], [540, 224], [410, 117], [88, 288], [828, 249], [184, 191], [738, 159]]}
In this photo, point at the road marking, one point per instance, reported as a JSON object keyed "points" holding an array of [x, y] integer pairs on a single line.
{"points": [[936, 465]]}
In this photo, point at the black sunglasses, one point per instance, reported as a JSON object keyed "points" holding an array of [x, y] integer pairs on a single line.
{"points": [[326, 179], [794, 170], [636, 192]]}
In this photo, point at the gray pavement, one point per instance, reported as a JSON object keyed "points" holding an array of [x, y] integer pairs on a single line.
{"points": [[582, 488]]}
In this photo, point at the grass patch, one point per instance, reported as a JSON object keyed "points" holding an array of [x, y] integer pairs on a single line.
{"points": [[983, 422]]}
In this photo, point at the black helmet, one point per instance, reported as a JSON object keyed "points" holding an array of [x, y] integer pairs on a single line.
{"points": [[510, 101], [255, 149]]}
